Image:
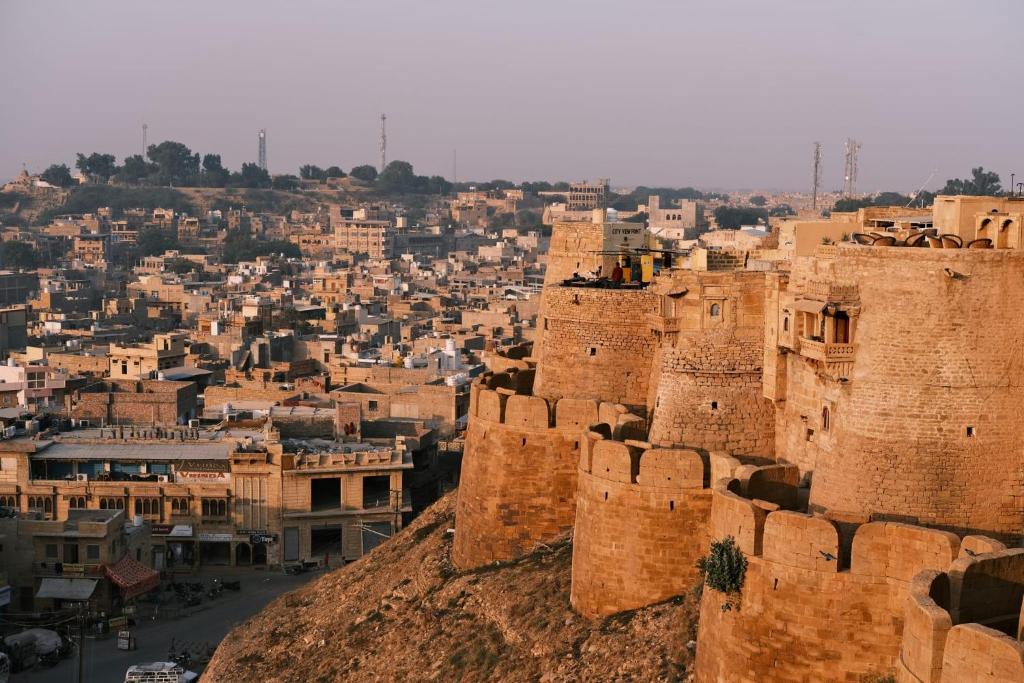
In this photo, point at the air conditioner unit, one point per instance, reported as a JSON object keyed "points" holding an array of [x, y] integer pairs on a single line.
{"points": [[81, 477], [193, 424], [84, 423], [163, 478]]}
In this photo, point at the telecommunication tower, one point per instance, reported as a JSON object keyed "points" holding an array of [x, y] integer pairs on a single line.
{"points": [[817, 176], [383, 142], [145, 130], [850, 176], [263, 149]]}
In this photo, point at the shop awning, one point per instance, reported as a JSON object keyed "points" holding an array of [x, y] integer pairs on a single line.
{"points": [[132, 577], [808, 305], [78, 590]]}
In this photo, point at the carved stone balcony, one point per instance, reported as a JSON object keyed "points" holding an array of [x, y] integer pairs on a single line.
{"points": [[663, 325], [836, 358]]}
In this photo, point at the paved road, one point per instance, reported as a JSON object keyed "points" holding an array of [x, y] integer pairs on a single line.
{"points": [[104, 663]]}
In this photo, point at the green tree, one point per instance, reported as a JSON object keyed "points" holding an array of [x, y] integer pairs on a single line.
{"points": [[251, 176], [758, 200], [334, 172], [285, 182], [214, 174], [176, 164], [736, 217], [18, 255], [781, 210], [154, 241], [96, 165], [59, 175], [982, 183], [135, 170], [397, 176], [311, 172], [365, 172]]}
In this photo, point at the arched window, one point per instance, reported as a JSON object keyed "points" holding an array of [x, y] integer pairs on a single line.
{"points": [[825, 417], [103, 503], [716, 310], [138, 506], [785, 324]]}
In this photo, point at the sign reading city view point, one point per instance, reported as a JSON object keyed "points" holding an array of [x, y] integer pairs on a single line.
{"points": [[215, 538], [202, 472], [626, 236]]}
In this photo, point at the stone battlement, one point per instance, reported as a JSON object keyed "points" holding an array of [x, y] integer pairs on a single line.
{"points": [[641, 524], [519, 468], [967, 620], [817, 589]]}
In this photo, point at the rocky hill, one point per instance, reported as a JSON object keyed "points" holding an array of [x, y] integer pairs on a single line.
{"points": [[404, 613]]}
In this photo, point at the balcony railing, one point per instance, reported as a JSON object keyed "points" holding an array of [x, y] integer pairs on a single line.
{"points": [[833, 292], [826, 352]]}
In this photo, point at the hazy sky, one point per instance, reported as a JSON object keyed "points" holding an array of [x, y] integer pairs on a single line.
{"points": [[710, 93]]}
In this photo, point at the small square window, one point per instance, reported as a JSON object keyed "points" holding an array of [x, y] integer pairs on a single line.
{"points": [[714, 405], [970, 432], [593, 351]]}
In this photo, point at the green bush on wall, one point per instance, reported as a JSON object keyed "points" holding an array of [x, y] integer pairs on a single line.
{"points": [[724, 569]]}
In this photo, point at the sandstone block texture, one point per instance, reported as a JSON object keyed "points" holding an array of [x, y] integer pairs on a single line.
{"points": [[641, 525], [821, 601], [927, 428], [519, 474]]}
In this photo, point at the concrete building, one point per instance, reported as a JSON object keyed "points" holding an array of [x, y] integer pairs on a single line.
{"points": [[145, 361]]}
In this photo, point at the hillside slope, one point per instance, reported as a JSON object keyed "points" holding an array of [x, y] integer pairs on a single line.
{"points": [[403, 613]]}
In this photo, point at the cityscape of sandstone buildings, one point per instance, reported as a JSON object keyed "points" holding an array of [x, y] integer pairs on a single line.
{"points": [[839, 400], [837, 396]]}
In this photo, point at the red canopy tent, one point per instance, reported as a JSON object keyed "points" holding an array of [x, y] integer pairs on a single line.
{"points": [[132, 577]]}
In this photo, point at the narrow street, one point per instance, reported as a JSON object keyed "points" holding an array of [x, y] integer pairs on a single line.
{"points": [[104, 663]]}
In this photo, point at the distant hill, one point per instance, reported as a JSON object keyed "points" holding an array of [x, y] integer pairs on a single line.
{"points": [[403, 613]]}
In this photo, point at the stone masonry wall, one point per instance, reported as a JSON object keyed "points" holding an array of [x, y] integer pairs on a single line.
{"points": [[964, 624], [641, 525], [709, 393], [596, 344], [518, 480], [813, 605], [927, 428]]}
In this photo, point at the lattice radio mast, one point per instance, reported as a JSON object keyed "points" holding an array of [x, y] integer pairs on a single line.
{"points": [[850, 175], [145, 130], [262, 160], [383, 142], [817, 176]]}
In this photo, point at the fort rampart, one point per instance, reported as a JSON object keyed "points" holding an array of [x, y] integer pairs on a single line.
{"points": [[597, 344], [925, 425], [519, 468], [965, 624], [822, 599], [641, 524]]}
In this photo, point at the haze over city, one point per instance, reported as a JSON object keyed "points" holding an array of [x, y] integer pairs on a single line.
{"points": [[711, 94]]}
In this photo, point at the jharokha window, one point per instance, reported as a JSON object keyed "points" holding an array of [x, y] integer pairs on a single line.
{"points": [[215, 507]]}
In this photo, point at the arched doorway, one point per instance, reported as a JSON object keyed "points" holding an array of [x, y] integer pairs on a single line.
{"points": [[243, 555], [259, 554]]}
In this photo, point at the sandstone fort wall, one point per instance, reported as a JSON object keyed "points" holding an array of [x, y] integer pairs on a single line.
{"points": [[965, 624], [519, 468], [641, 524], [822, 599], [596, 344], [927, 426]]}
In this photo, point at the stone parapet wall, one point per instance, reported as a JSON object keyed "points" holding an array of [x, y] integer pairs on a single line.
{"points": [[822, 600], [519, 469], [641, 524], [965, 624]]}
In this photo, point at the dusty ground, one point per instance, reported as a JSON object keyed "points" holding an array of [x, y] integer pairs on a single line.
{"points": [[403, 613]]}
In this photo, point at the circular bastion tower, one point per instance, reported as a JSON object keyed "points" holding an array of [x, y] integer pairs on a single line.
{"points": [[898, 374]]}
